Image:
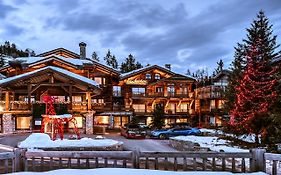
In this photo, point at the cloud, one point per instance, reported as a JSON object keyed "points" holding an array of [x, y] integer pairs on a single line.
{"points": [[5, 9], [184, 34]]}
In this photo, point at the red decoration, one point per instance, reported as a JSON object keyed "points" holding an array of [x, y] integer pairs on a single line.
{"points": [[57, 122], [256, 91]]}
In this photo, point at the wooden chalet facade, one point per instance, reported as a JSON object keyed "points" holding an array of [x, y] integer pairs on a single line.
{"points": [[209, 99], [145, 88], [94, 93]]}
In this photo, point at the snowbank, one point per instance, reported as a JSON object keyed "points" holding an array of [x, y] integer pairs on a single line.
{"points": [[214, 143], [41, 140], [123, 171], [250, 138]]}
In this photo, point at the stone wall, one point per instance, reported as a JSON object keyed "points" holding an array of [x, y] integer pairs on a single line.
{"points": [[186, 145], [89, 123], [8, 123]]}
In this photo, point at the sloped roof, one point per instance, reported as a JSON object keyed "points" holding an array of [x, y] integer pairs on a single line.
{"points": [[2, 76], [49, 68], [174, 75], [222, 73], [59, 51], [135, 72]]}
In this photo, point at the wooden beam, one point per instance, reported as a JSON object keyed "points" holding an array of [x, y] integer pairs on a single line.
{"points": [[7, 101], [35, 88], [65, 89], [29, 95], [70, 97], [89, 99]]}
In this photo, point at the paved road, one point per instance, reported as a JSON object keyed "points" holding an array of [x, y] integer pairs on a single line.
{"points": [[129, 144], [143, 144]]}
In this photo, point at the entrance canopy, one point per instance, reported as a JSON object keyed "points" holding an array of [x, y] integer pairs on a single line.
{"points": [[51, 75]]}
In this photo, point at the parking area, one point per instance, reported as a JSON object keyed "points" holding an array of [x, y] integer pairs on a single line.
{"points": [[129, 144]]}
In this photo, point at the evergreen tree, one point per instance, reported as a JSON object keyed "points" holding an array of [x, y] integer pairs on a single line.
{"points": [[234, 76], [2, 61], [11, 50], [158, 117], [95, 57], [114, 62], [256, 90], [188, 72], [110, 60], [219, 68], [130, 64]]}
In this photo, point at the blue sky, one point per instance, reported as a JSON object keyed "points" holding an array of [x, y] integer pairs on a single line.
{"points": [[189, 34]]}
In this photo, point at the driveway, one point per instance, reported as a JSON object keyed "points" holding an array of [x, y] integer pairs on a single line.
{"points": [[143, 144], [129, 144]]}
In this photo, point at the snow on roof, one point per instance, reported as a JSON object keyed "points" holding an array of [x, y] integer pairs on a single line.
{"points": [[32, 60], [58, 116], [135, 71], [144, 68], [56, 69], [129, 171], [2, 76], [149, 67]]}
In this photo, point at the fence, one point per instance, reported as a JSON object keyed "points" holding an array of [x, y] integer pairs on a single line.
{"points": [[255, 160]]}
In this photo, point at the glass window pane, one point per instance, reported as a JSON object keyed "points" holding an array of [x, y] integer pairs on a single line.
{"points": [[23, 123], [79, 123]]}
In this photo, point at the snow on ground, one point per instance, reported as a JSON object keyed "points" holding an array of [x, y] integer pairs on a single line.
{"points": [[41, 140], [123, 171], [214, 143], [250, 138]]}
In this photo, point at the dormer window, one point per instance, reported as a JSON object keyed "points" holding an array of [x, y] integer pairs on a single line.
{"points": [[157, 76], [148, 76]]}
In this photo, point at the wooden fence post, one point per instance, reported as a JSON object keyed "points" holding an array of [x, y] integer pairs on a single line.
{"points": [[258, 161], [136, 155]]}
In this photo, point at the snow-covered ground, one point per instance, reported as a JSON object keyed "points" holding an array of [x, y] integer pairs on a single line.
{"points": [[41, 140], [250, 138], [214, 143], [123, 171]]}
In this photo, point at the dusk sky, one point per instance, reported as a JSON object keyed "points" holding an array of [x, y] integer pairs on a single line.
{"points": [[189, 34]]}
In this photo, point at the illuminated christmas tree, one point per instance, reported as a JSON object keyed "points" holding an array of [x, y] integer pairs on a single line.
{"points": [[256, 90]]}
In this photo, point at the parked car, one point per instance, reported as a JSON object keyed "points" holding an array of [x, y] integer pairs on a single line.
{"points": [[179, 125], [166, 133], [134, 131]]}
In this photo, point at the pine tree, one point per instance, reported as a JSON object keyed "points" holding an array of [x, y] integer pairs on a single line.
{"points": [[157, 119], [219, 68], [130, 64], [2, 62], [256, 91], [11, 50], [234, 76], [110, 60], [188, 72], [95, 57]]}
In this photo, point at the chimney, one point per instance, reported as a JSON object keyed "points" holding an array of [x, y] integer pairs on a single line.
{"points": [[168, 66], [82, 46]]}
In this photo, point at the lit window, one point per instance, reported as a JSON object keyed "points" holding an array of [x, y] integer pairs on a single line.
{"points": [[171, 89], [98, 100], [116, 91], [79, 123], [148, 76], [23, 123], [139, 107], [76, 98], [101, 120], [158, 89], [99, 80], [138, 91], [157, 77]]}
